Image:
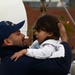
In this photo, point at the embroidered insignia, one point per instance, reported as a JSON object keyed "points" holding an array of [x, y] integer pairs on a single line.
{"points": [[6, 22], [13, 24]]}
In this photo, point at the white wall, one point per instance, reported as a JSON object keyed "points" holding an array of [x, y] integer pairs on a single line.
{"points": [[13, 10]]}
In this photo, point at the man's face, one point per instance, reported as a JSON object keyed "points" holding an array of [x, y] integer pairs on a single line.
{"points": [[17, 38]]}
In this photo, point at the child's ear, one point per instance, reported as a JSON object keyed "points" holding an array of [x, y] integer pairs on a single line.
{"points": [[50, 34]]}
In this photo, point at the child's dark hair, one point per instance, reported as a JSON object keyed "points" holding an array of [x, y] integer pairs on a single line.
{"points": [[48, 23]]}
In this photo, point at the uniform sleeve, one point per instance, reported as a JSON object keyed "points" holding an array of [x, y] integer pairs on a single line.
{"points": [[68, 54], [41, 53]]}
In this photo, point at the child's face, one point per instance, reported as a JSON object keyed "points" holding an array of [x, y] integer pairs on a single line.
{"points": [[41, 35]]}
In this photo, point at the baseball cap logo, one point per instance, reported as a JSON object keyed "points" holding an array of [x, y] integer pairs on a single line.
{"points": [[8, 23], [13, 24]]}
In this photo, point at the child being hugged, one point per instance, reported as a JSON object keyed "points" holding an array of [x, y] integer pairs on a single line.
{"points": [[47, 34]]}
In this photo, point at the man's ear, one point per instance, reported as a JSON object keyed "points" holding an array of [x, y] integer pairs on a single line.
{"points": [[7, 42]]}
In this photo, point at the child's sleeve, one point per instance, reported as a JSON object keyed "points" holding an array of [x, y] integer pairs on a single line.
{"points": [[42, 53]]}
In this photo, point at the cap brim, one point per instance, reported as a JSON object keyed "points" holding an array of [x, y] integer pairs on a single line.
{"points": [[21, 23]]}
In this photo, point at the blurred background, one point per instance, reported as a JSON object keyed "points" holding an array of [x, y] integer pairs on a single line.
{"points": [[64, 9]]}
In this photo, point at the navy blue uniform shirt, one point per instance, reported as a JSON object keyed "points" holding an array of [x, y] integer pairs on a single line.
{"points": [[31, 66]]}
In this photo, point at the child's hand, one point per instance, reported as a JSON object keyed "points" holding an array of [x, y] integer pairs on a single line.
{"points": [[17, 55]]}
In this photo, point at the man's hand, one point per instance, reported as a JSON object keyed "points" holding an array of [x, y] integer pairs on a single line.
{"points": [[62, 32]]}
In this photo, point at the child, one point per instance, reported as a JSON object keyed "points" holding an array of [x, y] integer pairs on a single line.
{"points": [[47, 34]]}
